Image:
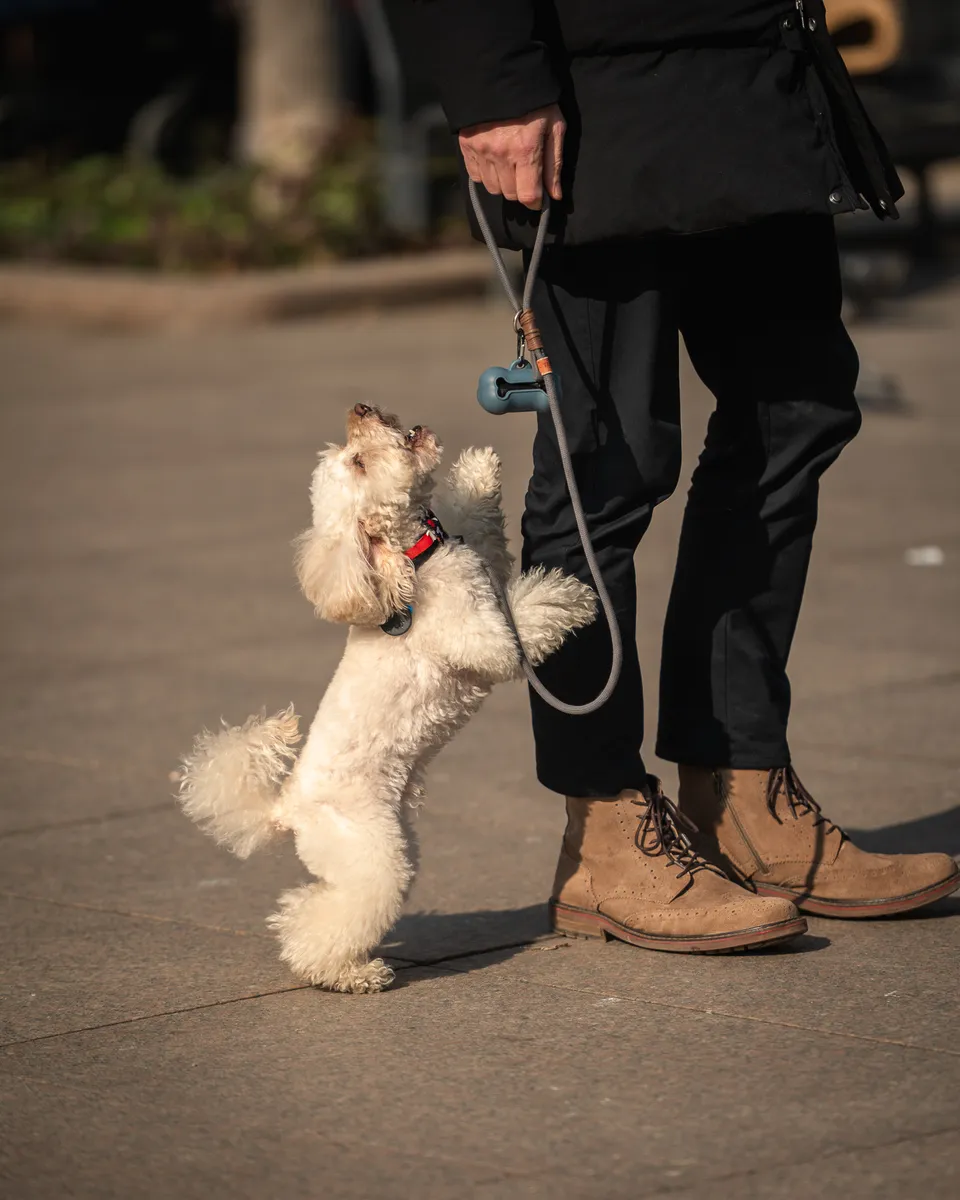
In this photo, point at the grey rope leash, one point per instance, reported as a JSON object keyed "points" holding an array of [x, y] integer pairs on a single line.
{"points": [[524, 324]]}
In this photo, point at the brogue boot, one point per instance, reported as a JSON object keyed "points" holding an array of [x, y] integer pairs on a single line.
{"points": [[627, 870], [767, 831]]}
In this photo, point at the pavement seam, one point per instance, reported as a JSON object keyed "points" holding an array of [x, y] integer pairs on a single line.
{"points": [[398, 964], [433, 962], [407, 961], [121, 814], [839, 1152], [48, 757], [172, 1012], [439, 964], [714, 1012], [133, 914]]}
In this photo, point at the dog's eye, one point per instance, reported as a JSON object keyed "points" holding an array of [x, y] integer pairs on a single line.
{"points": [[359, 463], [412, 433]]}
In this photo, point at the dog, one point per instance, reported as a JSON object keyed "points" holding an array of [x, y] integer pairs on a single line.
{"points": [[428, 639]]}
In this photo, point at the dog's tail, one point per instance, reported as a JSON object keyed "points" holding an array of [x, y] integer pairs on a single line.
{"points": [[231, 779]]}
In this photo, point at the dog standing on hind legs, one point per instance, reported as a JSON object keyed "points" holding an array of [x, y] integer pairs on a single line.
{"points": [[428, 640]]}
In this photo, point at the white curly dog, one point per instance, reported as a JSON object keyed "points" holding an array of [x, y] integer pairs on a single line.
{"points": [[375, 556]]}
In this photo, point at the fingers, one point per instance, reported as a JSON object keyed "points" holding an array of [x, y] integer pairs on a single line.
{"points": [[553, 158], [500, 179], [514, 182], [530, 181], [483, 168], [470, 161], [489, 174], [514, 159], [507, 178]]}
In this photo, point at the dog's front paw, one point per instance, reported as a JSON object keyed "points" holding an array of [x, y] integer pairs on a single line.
{"points": [[373, 976], [476, 474]]}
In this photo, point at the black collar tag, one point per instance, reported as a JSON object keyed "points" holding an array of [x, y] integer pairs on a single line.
{"points": [[399, 622]]}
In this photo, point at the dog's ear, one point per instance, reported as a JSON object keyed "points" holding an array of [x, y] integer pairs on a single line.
{"points": [[336, 575], [352, 578]]}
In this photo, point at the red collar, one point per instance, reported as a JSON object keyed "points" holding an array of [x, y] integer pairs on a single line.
{"points": [[433, 536]]}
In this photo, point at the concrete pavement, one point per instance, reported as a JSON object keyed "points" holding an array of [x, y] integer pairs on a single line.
{"points": [[153, 1046]]}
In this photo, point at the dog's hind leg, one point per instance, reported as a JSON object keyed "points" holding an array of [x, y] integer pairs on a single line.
{"points": [[409, 812], [469, 504], [319, 950], [328, 929]]}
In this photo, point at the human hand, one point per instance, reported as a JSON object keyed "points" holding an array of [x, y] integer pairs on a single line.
{"points": [[514, 159]]}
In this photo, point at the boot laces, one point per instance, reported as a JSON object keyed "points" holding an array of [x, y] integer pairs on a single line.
{"points": [[664, 829], [785, 782]]}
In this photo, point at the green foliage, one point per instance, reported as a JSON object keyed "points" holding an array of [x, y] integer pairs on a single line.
{"points": [[102, 210]]}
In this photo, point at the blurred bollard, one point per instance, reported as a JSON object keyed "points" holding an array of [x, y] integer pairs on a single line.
{"points": [[289, 102], [403, 140]]}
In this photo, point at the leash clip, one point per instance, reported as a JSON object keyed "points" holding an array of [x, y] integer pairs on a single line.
{"points": [[521, 340]]}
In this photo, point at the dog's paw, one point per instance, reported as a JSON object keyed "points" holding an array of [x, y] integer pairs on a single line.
{"points": [[359, 978], [475, 474]]}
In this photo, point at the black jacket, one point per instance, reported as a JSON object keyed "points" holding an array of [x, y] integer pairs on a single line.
{"points": [[683, 115]]}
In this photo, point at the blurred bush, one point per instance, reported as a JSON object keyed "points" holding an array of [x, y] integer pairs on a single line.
{"points": [[111, 211]]}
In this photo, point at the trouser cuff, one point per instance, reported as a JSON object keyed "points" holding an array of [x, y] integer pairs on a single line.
{"points": [[593, 779], [757, 756]]}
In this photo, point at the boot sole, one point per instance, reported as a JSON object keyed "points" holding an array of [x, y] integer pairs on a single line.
{"points": [[581, 923], [853, 910]]}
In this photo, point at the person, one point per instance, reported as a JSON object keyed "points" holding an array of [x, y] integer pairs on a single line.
{"points": [[695, 153]]}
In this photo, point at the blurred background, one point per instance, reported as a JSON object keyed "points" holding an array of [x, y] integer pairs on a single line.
{"points": [[217, 134], [222, 223]]}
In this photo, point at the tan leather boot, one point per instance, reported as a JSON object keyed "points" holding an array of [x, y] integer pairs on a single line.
{"points": [[766, 830], [627, 871]]}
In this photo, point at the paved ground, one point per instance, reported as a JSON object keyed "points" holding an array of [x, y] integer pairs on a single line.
{"points": [[154, 1046]]}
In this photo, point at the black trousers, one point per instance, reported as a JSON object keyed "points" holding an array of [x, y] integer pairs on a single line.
{"points": [[759, 311]]}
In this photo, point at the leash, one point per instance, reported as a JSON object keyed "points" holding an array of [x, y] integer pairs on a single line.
{"points": [[518, 389]]}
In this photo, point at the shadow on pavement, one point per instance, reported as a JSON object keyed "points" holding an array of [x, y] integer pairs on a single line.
{"points": [[494, 935], [477, 940], [941, 831], [807, 943], [428, 937], [949, 906]]}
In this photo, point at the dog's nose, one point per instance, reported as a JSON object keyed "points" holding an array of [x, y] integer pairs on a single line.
{"points": [[362, 409]]}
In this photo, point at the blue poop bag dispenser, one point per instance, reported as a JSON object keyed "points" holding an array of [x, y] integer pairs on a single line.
{"points": [[519, 387]]}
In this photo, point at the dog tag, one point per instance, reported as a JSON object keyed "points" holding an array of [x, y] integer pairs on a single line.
{"points": [[399, 622]]}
